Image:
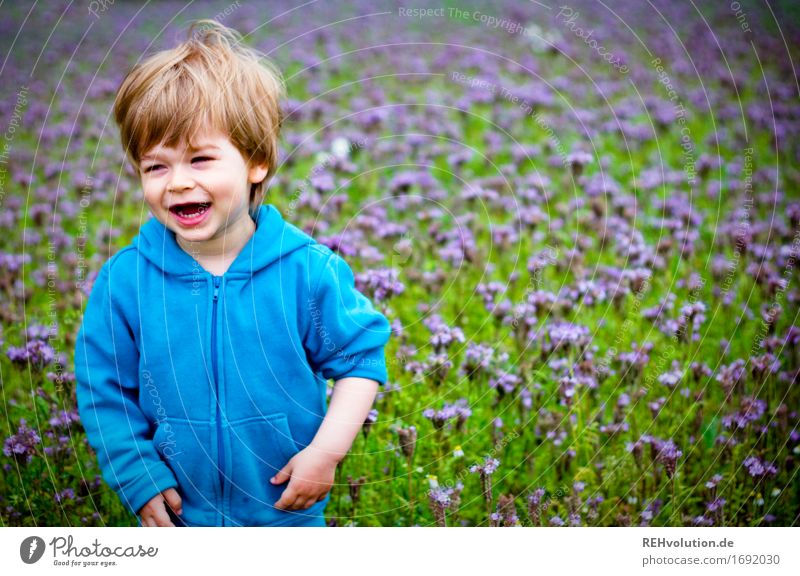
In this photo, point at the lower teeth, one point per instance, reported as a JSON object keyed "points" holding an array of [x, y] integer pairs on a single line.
{"points": [[194, 214]]}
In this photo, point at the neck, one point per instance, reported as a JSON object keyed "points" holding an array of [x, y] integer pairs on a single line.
{"points": [[224, 248]]}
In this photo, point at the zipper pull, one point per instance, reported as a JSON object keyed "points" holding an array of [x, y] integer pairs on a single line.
{"points": [[216, 287]]}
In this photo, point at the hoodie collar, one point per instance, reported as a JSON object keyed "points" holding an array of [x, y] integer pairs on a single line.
{"points": [[272, 239]]}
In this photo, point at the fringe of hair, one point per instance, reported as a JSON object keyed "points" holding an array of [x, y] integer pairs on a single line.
{"points": [[211, 80]]}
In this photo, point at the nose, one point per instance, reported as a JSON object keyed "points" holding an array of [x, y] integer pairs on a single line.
{"points": [[180, 180]]}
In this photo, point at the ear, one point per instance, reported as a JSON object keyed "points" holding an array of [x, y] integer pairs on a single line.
{"points": [[257, 173]]}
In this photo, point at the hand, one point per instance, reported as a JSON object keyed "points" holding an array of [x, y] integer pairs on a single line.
{"points": [[310, 474], [154, 513]]}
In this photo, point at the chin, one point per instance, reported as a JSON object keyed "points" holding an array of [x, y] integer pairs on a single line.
{"points": [[193, 237]]}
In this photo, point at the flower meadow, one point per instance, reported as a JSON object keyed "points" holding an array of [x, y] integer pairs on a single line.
{"points": [[582, 221]]}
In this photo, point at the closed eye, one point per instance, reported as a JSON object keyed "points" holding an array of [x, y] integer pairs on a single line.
{"points": [[198, 159]]}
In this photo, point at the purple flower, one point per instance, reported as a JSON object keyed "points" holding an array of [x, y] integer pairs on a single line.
{"points": [[792, 337], [593, 504], [702, 521], [487, 468], [64, 419], [37, 353], [22, 445], [715, 505], [700, 370], [751, 410], [323, 182], [372, 417], [567, 335], [485, 471], [566, 389], [506, 514], [614, 428], [61, 379], [449, 411], [731, 376], [504, 382], [761, 366], [534, 504], [556, 521], [39, 332], [442, 335], [436, 367], [381, 284], [66, 494], [477, 358], [651, 511], [758, 468], [667, 455], [463, 411], [577, 160], [672, 378], [13, 262], [526, 398], [440, 501]]}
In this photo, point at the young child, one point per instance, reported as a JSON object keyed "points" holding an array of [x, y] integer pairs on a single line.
{"points": [[206, 345]]}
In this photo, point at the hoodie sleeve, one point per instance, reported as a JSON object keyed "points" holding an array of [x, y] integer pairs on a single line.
{"points": [[346, 335], [106, 371]]}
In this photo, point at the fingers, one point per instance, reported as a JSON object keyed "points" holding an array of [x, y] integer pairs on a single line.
{"points": [[156, 512], [162, 520], [153, 521], [294, 499], [287, 500], [305, 503], [173, 500], [283, 474], [155, 515]]}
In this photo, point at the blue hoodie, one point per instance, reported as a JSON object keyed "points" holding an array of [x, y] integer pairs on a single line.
{"points": [[210, 384]]}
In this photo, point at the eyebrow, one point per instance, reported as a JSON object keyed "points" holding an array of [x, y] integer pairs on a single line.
{"points": [[191, 149]]}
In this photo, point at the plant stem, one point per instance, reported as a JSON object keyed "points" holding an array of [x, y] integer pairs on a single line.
{"points": [[410, 492], [338, 486]]}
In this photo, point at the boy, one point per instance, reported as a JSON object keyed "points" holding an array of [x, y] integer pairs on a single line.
{"points": [[206, 344]]}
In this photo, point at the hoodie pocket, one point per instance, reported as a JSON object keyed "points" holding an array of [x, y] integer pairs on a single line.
{"points": [[260, 447], [186, 448]]}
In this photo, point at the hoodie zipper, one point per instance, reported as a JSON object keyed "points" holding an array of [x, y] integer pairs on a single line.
{"points": [[221, 446]]}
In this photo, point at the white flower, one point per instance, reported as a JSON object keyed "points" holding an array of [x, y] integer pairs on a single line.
{"points": [[340, 147]]}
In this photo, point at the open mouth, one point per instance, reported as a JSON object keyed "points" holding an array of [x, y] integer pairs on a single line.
{"points": [[190, 212]]}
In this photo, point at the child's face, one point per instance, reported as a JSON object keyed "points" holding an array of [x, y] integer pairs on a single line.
{"points": [[201, 194]]}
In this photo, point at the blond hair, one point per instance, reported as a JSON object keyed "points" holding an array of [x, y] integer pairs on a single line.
{"points": [[209, 80]]}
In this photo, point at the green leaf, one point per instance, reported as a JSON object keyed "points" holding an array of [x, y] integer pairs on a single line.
{"points": [[710, 432]]}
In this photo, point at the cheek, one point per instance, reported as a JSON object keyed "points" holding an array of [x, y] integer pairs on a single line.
{"points": [[152, 197]]}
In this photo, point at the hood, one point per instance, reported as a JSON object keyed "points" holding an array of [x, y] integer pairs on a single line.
{"points": [[273, 239]]}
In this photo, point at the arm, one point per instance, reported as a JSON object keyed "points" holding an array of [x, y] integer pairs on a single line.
{"points": [[106, 370], [312, 470], [344, 334], [344, 341]]}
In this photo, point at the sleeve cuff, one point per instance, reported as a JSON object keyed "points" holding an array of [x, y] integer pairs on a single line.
{"points": [[372, 366], [139, 492]]}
